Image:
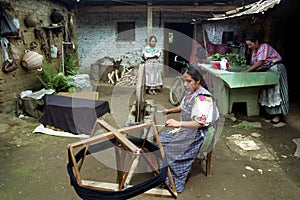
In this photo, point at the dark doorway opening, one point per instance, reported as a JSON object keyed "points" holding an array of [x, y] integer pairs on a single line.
{"points": [[178, 40], [290, 60]]}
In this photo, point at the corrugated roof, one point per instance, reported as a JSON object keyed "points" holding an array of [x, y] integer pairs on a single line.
{"points": [[254, 8]]}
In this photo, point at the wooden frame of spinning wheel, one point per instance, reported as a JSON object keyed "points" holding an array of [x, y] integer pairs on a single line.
{"points": [[123, 177], [140, 94]]}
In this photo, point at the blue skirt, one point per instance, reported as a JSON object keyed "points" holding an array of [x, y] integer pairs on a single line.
{"points": [[181, 146]]}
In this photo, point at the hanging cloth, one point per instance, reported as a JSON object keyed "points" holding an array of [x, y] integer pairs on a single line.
{"points": [[8, 64], [7, 25], [4, 45]]}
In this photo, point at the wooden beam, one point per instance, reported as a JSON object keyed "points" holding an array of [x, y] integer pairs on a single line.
{"points": [[149, 20], [106, 136], [119, 136], [114, 187], [156, 8], [75, 166], [133, 163]]}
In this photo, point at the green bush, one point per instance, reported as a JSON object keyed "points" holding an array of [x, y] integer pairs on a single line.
{"points": [[71, 64], [52, 79]]}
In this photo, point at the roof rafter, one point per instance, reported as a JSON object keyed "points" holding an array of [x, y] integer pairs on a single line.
{"points": [[155, 8]]}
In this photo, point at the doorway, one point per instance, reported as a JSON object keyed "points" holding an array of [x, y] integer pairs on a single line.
{"points": [[178, 40]]}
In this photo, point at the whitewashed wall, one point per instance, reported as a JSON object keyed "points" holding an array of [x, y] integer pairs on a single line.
{"points": [[97, 33]]}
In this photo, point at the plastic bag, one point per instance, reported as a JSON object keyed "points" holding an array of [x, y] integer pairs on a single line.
{"points": [[223, 63], [4, 45], [7, 26], [53, 51], [16, 22]]}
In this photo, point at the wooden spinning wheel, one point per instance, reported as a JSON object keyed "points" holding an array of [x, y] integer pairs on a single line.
{"points": [[136, 149], [140, 94]]}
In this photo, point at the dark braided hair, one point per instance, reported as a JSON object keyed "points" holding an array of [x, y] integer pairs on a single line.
{"points": [[152, 37], [253, 37], [195, 74]]}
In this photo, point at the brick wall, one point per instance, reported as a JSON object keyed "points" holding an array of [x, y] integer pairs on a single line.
{"points": [[11, 84]]}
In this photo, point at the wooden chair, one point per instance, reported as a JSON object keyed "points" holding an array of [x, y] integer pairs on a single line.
{"points": [[207, 159], [206, 150]]}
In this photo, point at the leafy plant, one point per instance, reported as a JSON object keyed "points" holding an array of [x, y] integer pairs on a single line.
{"points": [[234, 58], [245, 125], [71, 64], [51, 79]]}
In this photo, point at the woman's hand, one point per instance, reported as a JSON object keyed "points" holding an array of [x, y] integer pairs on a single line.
{"points": [[171, 110], [255, 66], [173, 123], [166, 111]]}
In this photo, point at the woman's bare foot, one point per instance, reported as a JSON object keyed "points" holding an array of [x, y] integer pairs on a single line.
{"points": [[150, 92], [153, 91], [275, 120]]}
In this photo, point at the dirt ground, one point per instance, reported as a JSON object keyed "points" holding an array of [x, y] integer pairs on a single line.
{"points": [[33, 165]]}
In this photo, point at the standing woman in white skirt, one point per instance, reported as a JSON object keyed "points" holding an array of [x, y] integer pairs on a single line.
{"points": [[151, 54]]}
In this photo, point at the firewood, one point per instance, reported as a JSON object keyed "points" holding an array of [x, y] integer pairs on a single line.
{"points": [[110, 75], [117, 75]]}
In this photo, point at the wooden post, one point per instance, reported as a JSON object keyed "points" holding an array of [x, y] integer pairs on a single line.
{"points": [[75, 167], [149, 18], [86, 148], [174, 190], [118, 161]]}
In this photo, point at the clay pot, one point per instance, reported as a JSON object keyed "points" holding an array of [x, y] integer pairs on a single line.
{"points": [[32, 60], [30, 21], [56, 17]]}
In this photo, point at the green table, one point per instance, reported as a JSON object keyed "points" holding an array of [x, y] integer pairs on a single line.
{"points": [[232, 86]]}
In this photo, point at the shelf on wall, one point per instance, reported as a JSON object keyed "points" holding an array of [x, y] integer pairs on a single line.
{"points": [[52, 27]]}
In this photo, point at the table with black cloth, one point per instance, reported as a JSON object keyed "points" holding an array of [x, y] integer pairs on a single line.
{"points": [[74, 115]]}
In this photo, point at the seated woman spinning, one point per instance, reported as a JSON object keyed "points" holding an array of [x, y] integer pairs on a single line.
{"points": [[181, 142]]}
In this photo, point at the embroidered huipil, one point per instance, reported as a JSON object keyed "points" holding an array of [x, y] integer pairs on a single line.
{"points": [[182, 146], [266, 53]]}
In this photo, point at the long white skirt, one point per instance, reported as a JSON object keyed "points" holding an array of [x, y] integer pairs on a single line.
{"points": [[153, 75]]}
